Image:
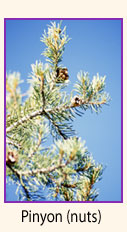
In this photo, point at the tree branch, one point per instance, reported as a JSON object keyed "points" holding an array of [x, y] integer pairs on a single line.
{"points": [[24, 119], [41, 171], [41, 112]]}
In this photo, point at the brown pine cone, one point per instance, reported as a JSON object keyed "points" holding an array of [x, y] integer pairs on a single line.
{"points": [[11, 158], [76, 101], [61, 74]]}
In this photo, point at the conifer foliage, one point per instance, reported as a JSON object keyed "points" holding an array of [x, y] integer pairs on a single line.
{"points": [[65, 170]]}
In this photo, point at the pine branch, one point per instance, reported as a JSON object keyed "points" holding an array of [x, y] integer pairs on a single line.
{"points": [[41, 170], [83, 102], [41, 112], [24, 119], [67, 165]]}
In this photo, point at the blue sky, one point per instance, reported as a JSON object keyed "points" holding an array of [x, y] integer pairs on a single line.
{"points": [[95, 47]]}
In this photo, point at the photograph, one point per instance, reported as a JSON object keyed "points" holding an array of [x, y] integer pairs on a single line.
{"points": [[63, 110]]}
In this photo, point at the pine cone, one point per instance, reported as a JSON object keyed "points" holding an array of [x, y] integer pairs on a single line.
{"points": [[11, 158], [76, 101], [58, 30], [61, 74]]}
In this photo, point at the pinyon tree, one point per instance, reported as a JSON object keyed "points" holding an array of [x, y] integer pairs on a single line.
{"points": [[65, 170]]}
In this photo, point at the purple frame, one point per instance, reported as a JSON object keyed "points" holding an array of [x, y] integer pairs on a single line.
{"points": [[121, 19]]}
